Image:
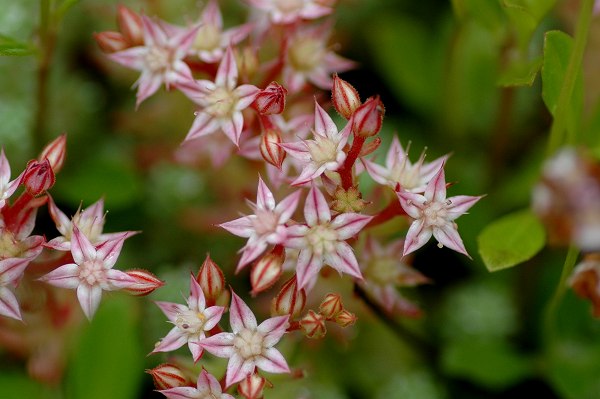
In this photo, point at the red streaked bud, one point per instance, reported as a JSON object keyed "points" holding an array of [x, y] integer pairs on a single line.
{"points": [[290, 300], [585, 281], [131, 26], [345, 319], [55, 153], [211, 279], [367, 119], [331, 306], [344, 96], [269, 147], [166, 376], [145, 282], [271, 100], [38, 177], [370, 147], [267, 270], [313, 325], [111, 42], [252, 386]]}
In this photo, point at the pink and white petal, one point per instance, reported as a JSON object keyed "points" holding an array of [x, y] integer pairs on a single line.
{"points": [[174, 340], [245, 95], [448, 236], [295, 81], [65, 276], [154, 34], [59, 243], [272, 361], [321, 78], [377, 172], [310, 172], [412, 203], [314, 11], [241, 227], [147, 84], [89, 298], [396, 154], [63, 223], [273, 329], [213, 315], [9, 306], [207, 380], [220, 345], [96, 210], [296, 236], [316, 209], [194, 346], [251, 252], [460, 204], [233, 127], [184, 40], [429, 170], [308, 266], [113, 236], [298, 150], [12, 269], [349, 224], [339, 64], [196, 90], [203, 124], [416, 237], [211, 15], [238, 369], [436, 188], [133, 57], [324, 125], [240, 315], [286, 208], [171, 309], [344, 261], [180, 393], [117, 280], [108, 251], [196, 300], [4, 169], [236, 35], [264, 196], [227, 74]]}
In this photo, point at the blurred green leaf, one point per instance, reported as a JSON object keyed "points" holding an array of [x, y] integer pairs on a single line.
{"points": [[511, 240], [18, 385], [64, 7], [13, 47], [526, 16], [520, 73], [574, 368]]}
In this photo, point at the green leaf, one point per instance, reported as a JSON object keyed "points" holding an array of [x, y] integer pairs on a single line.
{"points": [[526, 16], [64, 7], [13, 47], [109, 361], [520, 73], [511, 240], [19, 385]]}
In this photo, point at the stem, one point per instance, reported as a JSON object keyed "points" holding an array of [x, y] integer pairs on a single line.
{"points": [[393, 209], [558, 130], [345, 171]]}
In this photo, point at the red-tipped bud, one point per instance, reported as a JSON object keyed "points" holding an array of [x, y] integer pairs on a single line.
{"points": [[271, 100], [38, 177], [131, 26], [313, 325], [252, 386], [367, 119], [331, 306], [267, 270], [145, 282], [345, 318], [167, 376], [370, 147], [269, 147], [290, 300], [111, 42], [345, 97], [211, 279], [585, 281], [55, 153]]}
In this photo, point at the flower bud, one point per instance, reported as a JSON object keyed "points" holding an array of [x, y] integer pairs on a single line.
{"points": [[331, 306], [313, 325], [344, 96], [110, 42], [290, 300], [55, 153], [38, 177], [267, 270], [348, 200], [585, 281], [211, 279], [367, 119], [252, 386], [131, 26], [145, 282], [271, 100], [345, 319], [269, 147], [167, 376]]}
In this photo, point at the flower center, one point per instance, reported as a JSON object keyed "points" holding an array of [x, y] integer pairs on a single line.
{"points": [[435, 214], [9, 247], [382, 271], [322, 150], [289, 6], [208, 38], [405, 174], [158, 59], [306, 54], [190, 321], [91, 227], [92, 272], [249, 343], [222, 102], [322, 239], [265, 221]]}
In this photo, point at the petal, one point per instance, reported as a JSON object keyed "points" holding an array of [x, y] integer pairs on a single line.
{"points": [[343, 260], [264, 196], [194, 346], [273, 329], [436, 188], [272, 361], [153, 32], [9, 306], [233, 127], [63, 223], [324, 125], [227, 74], [396, 154], [460, 204], [196, 300], [240, 315], [377, 172], [349, 224], [316, 209], [238, 369], [205, 379], [296, 236], [175, 339], [310, 172], [109, 250], [147, 84], [4, 169], [211, 15], [416, 237], [81, 248], [180, 393], [171, 310], [308, 266], [89, 298], [213, 315], [412, 203], [286, 208], [245, 95], [298, 150], [117, 280], [242, 227], [203, 124], [220, 345], [448, 236], [65, 276], [133, 57], [251, 252]]}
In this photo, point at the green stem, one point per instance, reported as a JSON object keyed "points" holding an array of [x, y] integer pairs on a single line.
{"points": [[558, 130]]}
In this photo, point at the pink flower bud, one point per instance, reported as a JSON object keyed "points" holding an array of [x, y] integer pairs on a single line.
{"points": [[271, 100], [252, 386], [267, 270], [269, 147], [367, 119], [345, 97], [38, 177], [168, 376], [131, 26], [331, 306], [345, 318], [290, 300], [145, 282], [313, 325], [55, 153], [110, 42], [211, 279]]}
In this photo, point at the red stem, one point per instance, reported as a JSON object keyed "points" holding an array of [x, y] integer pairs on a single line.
{"points": [[345, 171], [393, 209]]}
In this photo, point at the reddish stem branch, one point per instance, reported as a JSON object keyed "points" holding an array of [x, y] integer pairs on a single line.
{"points": [[345, 171], [393, 209]]}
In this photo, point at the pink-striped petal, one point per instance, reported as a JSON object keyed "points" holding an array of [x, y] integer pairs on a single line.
{"points": [[233, 127], [9, 306], [81, 248], [203, 124], [211, 15], [89, 299], [227, 74], [264, 196], [272, 361], [286, 208], [65, 276], [180, 393], [448, 236], [316, 209], [63, 223], [273, 329], [296, 237], [238, 369], [196, 300], [436, 188], [194, 346], [412, 203], [298, 150], [307, 267], [220, 345], [245, 95], [416, 237], [171, 310], [174, 340], [242, 227], [343, 260], [240, 315], [377, 172], [324, 125], [460, 204], [108, 252], [251, 252], [348, 225], [147, 84], [213, 315]]}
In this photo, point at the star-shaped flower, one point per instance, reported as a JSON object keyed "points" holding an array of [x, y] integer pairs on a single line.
{"points": [[191, 322], [266, 226], [250, 344], [323, 240], [207, 387], [7, 187], [288, 11], [434, 215]]}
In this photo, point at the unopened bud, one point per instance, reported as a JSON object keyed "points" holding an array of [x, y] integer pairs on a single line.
{"points": [[345, 97], [367, 119], [131, 26], [270, 149], [345, 318], [38, 177], [348, 200], [145, 282], [110, 42], [55, 153], [290, 300], [252, 386], [271, 100], [167, 376], [331, 306], [267, 270], [585, 281], [313, 325], [211, 279]]}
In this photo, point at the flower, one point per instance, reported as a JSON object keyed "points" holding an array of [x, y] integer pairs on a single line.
{"points": [[434, 215], [207, 387], [249, 345], [92, 271], [266, 226], [288, 11], [7, 187], [322, 240], [221, 101]]}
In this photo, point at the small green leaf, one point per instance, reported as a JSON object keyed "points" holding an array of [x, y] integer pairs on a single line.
{"points": [[520, 73], [526, 16], [13, 47], [511, 240]]}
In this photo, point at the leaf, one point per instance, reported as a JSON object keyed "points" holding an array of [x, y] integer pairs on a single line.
{"points": [[520, 73], [526, 16], [511, 240], [19, 385], [13, 47], [64, 7]]}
